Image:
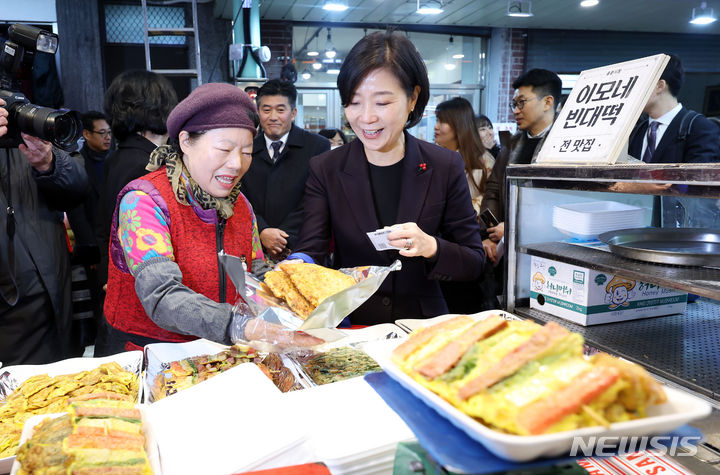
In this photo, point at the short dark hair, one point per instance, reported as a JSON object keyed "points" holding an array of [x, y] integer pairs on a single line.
{"points": [[88, 119], [674, 74], [139, 100], [543, 82], [482, 120], [395, 52], [330, 133], [278, 87]]}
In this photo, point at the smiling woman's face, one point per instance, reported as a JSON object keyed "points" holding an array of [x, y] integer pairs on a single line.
{"points": [[445, 135], [218, 158], [378, 111]]}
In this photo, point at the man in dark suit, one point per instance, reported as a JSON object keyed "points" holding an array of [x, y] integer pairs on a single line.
{"points": [[275, 182], [86, 253], [97, 135], [670, 133]]}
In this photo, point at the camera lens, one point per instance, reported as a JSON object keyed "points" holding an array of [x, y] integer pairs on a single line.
{"points": [[62, 128]]}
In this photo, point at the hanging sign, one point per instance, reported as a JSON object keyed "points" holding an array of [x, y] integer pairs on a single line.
{"points": [[601, 111]]}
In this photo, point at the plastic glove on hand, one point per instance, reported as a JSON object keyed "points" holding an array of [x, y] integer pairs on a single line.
{"points": [[260, 330]]}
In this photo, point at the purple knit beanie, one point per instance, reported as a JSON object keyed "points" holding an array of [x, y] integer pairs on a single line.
{"points": [[213, 106]]}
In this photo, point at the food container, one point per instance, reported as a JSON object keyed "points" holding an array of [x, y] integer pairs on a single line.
{"points": [[13, 376], [680, 408], [160, 356], [587, 220], [151, 448]]}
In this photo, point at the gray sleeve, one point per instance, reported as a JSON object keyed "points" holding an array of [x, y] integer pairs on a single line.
{"points": [[260, 268], [175, 307]]}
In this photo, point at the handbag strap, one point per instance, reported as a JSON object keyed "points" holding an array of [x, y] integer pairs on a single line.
{"points": [[14, 293]]}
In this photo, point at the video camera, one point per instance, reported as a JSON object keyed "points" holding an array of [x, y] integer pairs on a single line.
{"points": [[61, 127]]}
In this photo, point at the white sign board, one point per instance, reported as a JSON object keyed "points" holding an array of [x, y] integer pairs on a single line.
{"points": [[601, 111]]}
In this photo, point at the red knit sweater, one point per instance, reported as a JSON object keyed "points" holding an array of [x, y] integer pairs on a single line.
{"points": [[195, 249]]}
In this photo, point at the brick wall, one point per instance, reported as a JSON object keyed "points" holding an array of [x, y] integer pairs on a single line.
{"points": [[513, 65], [278, 36]]}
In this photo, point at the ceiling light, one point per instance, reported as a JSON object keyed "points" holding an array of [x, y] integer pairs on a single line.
{"points": [[456, 54], [589, 3], [519, 8], [335, 6], [317, 66], [314, 51], [703, 15], [449, 66], [429, 7], [333, 71], [330, 51], [306, 74]]}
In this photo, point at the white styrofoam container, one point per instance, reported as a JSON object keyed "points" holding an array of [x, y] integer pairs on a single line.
{"points": [[589, 297], [588, 219], [680, 408]]}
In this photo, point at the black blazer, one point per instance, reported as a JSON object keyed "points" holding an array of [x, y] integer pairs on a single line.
{"points": [[275, 190], [82, 219], [339, 206], [701, 145]]}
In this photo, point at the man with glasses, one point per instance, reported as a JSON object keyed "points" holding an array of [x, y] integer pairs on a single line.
{"points": [[97, 135], [533, 105], [86, 252]]}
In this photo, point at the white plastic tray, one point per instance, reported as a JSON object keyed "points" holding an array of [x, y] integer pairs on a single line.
{"points": [[130, 361], [680, 409], [150, 445], [412, 324]]}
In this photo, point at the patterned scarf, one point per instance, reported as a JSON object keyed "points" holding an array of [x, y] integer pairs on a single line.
{"points": [[175, 168]]}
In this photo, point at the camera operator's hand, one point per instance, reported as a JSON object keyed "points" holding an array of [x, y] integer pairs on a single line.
{"points": [[3, 119], [38, 152]]}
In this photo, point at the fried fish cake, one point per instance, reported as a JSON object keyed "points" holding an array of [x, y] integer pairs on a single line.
{"points": [[316, 283], [283, 288]]}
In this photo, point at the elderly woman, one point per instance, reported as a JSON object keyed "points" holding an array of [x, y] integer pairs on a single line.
{"points": [[388, 177], [164, 281]]}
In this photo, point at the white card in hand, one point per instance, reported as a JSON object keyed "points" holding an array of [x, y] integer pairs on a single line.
{"points": [[380, 240]]}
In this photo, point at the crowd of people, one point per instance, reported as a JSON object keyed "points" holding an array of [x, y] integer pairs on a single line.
{"points": [[160, 187]]}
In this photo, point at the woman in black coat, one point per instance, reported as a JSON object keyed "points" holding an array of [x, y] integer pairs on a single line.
{"points": [[389, 178], [138, 103]]}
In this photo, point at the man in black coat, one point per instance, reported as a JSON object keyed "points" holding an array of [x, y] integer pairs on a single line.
{"points": [[98, 137], [670, 133], [275, 182], [37, 183]]}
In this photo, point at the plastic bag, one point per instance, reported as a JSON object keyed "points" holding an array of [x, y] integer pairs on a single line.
{"points": [[328, 314], [280, 321]]}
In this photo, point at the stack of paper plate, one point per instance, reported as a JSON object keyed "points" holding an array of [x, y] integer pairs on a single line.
{"points": [[587, 220], [352, 430]]}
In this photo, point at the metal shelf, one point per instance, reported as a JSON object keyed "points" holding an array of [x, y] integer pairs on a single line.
{"points": [[704, 281], [681, 348], [697, 179]]}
